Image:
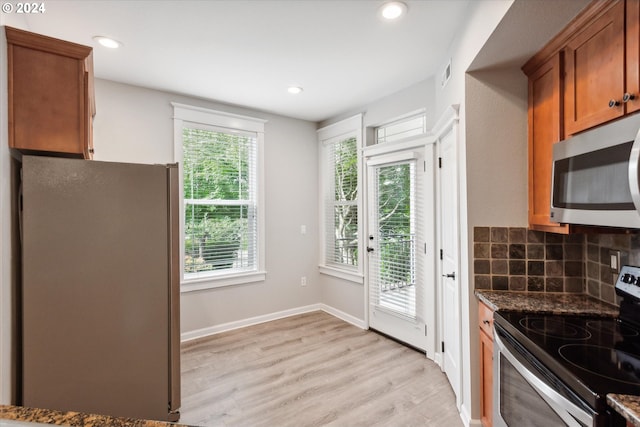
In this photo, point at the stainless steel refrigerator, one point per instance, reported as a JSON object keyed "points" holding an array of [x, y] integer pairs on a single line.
{"points": [[100, 287]]}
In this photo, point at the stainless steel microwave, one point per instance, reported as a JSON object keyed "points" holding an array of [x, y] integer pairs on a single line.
{"points": [[595, 176]]}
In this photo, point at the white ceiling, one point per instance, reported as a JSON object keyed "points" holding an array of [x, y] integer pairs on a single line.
{"points": [[247, 52]]}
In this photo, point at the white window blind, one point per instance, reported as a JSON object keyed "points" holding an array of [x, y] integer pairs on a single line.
{"points": [[394, 264], [220, 201], [402, 129], [342, 203]]}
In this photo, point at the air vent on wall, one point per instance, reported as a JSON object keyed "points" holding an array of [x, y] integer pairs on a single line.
{"points": [[446, 75]]}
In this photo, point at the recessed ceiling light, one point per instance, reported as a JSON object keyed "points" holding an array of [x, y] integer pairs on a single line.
{"points": [[108, 42], [294, 90], [393, 10]]}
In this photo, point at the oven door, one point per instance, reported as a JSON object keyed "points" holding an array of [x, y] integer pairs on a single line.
{"points": [[523, 394]]}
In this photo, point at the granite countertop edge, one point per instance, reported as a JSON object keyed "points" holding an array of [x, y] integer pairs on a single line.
{"points": [[71, 418], [574, 304], [546, 303], [627, 406]]}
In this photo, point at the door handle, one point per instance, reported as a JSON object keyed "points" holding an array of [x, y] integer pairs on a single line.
{"points": [[450, 275]]}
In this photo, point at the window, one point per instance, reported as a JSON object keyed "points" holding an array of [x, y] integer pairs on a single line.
{"points": [[401, 129], [342, 203], [221, 225], [340, 169]]}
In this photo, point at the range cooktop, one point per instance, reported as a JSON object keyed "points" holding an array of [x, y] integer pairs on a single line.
{"points": [[594, 356]]}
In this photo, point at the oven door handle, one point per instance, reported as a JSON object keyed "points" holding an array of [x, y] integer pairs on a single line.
{"points": [[564, 408]]}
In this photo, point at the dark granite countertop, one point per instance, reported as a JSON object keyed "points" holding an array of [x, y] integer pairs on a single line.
{"points": [[74, 419], [539, 302], [627, 406]]}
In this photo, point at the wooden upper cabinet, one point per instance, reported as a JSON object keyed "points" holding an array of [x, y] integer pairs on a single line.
{"points": [[51, 101], [595, 70], [545, 129], [632, 38]]}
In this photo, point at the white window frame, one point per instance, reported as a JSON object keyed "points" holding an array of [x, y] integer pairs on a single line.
{"points": [[199, 117], [348, 128]]}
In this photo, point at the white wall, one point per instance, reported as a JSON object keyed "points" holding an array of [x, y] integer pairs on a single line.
{"points": [[497, 148], [134, 124]]}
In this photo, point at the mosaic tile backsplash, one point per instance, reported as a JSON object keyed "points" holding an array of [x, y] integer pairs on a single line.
{"points": [[519, 259]]}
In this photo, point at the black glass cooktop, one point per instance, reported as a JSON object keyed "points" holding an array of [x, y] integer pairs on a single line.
{"points": [[593, 356]]}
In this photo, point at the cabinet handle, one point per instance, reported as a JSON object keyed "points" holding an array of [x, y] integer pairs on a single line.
{"points": [[613, 103], [91, 150], [628, 97], [486, 322]]}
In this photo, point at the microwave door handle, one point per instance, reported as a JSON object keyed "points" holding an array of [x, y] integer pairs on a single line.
{"points": [[634, 169]]}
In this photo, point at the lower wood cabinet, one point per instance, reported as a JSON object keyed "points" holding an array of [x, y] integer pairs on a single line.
{"points": [[485, 317]]}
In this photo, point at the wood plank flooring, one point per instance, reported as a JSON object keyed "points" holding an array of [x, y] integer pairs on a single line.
{"points": [[311, 370]]}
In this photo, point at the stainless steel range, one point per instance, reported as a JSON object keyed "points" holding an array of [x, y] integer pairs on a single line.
{"points": [[556, 370]]}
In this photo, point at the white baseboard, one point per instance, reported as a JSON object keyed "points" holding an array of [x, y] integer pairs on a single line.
{"points": [[438, 359], [343, 316], [224, 327], [466, 418]]}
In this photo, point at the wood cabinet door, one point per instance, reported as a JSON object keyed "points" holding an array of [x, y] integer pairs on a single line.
{"points": [[545, 109], [49, 98], [486, 379], [485, 321], [595, 71], [633, 55]]}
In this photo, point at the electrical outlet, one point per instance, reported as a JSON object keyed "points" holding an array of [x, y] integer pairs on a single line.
{"points": [[303, 281], [614, 262]]}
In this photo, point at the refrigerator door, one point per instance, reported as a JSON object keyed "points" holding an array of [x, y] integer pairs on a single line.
{"points": [[97, 296]]}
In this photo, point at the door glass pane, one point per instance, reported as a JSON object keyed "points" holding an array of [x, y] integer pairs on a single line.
{"points": [[396, 236]]}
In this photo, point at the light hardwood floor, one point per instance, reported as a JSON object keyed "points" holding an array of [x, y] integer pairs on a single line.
{"points": [[311, 370]]}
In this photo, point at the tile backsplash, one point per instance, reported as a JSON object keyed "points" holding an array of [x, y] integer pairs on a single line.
{"points": [[519, 259], [600, 280]]}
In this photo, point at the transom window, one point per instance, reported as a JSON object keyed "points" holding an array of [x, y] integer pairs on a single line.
{"points": [[401, 129]]}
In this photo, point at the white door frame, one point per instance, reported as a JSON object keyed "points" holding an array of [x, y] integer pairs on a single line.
{"points": [[430, 299]]}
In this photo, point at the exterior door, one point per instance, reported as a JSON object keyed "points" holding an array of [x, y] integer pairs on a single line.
{"points": [[449, 285], [396, 246]]}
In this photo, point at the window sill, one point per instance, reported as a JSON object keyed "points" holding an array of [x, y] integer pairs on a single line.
{"points": [[351, 276], [191, 285]]}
